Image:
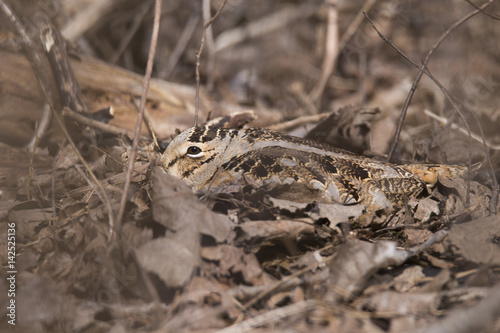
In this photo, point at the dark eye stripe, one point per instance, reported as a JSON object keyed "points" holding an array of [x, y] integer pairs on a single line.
{"points": [[190, 171], [173, 162]]}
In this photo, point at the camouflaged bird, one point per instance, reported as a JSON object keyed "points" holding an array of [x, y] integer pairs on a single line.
{"points": [[208, 157]]}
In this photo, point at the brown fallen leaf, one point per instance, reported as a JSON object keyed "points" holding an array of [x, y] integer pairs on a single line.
{"points": [[477, 240], [234, 260], [175, 257]]}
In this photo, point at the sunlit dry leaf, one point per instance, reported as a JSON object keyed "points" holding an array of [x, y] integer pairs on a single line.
{"points": [[259, 230], [174, 262], [426, 207], [177, 208], [397, 303], [337, 213], [356, 261], [408, 279]]}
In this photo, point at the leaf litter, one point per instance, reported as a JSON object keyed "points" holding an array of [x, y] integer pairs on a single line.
{"points": [[244, 258]]}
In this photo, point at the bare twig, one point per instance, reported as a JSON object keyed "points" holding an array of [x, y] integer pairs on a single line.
{"points": [[476, 137], [67, 112], [274, 316], [125, 40], [210, 46], [354, 25], [30, 168], [198, 55], [495, 17], [331, 53], [142, 106], [421, 72], [68, 88], [265, 25], [87, 18], [288, 125], [43, 125], [436, 237], [452, 99], [181, 45], [30, 49]]}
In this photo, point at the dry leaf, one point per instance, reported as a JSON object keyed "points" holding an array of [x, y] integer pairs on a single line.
{"points": [[477, 240]]}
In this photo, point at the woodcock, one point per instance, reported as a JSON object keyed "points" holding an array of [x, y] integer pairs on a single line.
{"points": [[208, 158]]}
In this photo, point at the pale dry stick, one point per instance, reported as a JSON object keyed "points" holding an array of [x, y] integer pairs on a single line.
{"points": [[331, 53], [30, 168], [274, 316], [43, 126], [96, 124], [198, 55], [265, 25], [354, 25], [136, 23], [210, 46], [181, 45], [116, 179], [454, 126], [140, 116], [289, 125], [30, 48], [87, 18], [435, 238], [331, 57], [308, 106]]}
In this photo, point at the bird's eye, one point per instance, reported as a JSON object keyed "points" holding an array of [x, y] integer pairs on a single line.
{"points": [[194, 151]]}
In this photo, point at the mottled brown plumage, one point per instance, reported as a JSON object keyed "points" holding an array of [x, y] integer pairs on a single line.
{"points": [[207, 157]]}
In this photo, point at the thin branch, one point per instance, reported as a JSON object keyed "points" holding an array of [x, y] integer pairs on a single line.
{"points": [[482, 11], [198, 55], [354, 25], [476, 137], [30, 49], [30, 168], [265, 25], [67, 112], [210, 46], [331, 53], [421, 70], [452, 99], [294, 123], [125, 39], [140, 116], [181, 45], [274, 316]]}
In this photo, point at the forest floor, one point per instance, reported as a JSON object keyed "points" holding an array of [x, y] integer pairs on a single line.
{"points": [[179, 261]]}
